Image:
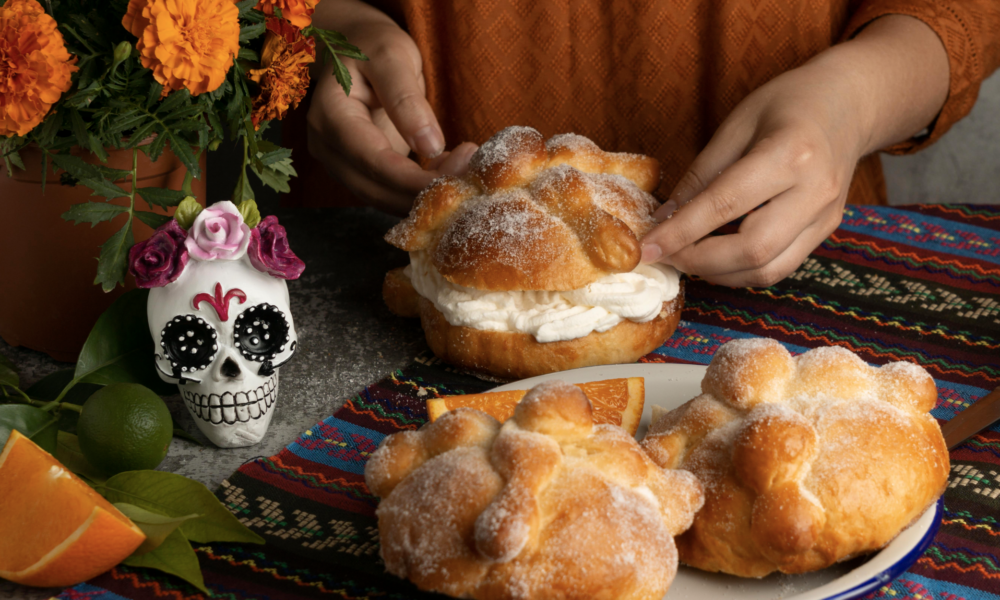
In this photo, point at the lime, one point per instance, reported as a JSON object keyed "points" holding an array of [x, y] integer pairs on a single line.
{"points": [[124, 427]]}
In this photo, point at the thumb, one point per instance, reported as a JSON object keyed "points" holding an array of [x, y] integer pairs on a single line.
{"points": [[402, 96]]}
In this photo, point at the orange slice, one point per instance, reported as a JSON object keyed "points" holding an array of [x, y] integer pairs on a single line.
{"points": [[616, 401], [57, 531]]}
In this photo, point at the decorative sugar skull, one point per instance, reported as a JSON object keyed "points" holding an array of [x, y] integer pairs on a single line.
{"points": [[220, 317]]}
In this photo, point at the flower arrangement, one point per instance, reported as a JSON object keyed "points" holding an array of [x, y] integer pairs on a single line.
{"points": [[147, 74], [219, 232]]}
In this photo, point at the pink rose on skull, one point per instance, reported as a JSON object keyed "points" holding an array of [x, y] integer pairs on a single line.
{"points": [[160, 259], [218, 233]]}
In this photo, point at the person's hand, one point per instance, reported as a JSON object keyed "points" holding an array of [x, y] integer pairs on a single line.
{"points": [[364, 139], [786, 154]]}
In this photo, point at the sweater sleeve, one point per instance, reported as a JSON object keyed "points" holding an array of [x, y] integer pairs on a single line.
{"points": [[970, 32]]}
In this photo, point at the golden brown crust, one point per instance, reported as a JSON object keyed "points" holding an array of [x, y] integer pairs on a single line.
{"points": [[518, 355], [534, 216], [551, 506], [806, 461]]}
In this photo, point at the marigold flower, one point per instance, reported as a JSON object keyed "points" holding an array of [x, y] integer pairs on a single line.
{"points": [[284, 78], [296, 12], [187, 43], [35, 68]]}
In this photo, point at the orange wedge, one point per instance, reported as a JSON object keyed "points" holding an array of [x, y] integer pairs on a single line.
{"points": [[56, 530], [616, 401]]}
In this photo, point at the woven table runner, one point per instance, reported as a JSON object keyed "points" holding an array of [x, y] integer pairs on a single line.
{"points": [[919, 283]]}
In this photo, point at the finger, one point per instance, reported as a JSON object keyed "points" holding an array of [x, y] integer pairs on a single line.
{"points": [[745, 185], [357, 139], [760, 240], [781, 267], [726, 146], [457, 161], [397, 85]]}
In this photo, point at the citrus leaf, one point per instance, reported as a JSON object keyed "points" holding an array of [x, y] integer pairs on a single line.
{"points": [[161, 196], [156, 526], [176, 496], [174, 556], [119, 348], [69, 454], [48, 388], [112, 264], [152, 219], [93, 212], [38, 425], [8, 372]]}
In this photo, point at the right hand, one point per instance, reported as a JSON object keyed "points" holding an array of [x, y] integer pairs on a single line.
{"points": [[365, 139]]}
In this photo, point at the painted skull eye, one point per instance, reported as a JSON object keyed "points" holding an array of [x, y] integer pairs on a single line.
{"points": [[261, 332], [189, 343]]}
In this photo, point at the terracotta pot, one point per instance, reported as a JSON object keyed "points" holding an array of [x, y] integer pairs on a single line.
{"points": [[48, 300]]}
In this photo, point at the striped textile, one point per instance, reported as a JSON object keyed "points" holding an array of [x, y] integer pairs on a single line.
{"points": [[892, 283]]}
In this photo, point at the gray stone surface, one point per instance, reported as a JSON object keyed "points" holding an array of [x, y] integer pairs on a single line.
{"points": [[347, 339]]}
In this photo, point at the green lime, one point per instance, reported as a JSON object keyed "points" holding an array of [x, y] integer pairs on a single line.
{"points": [[124, 427]]}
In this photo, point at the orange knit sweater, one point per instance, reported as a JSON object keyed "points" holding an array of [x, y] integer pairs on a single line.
{"points": [[658, 76], [649, 76]]}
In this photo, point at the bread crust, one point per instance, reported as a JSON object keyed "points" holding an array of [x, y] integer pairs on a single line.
{"points": [[806, 461], [549, 505], [517, 355]]}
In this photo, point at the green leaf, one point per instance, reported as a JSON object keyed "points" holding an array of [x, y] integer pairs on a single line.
{"points": [[15, 159], [161, 196], [97, 147], [155, 89], [119, 347], [76, 166], [154, 220], [274, 156], [156, 526], [253, 16], [49, 387], [248, 54], [50, 127], [242, 192], [113, 262], [245, 6], [250, 32], [68, 452], [176, 496], [39, 426], [156, 147], [183, 152], [8, 372], [251, 216], [174, 101], [79, 128], [93, 213], [274, 179], [342, 74], [187, 211], [174, 556]]}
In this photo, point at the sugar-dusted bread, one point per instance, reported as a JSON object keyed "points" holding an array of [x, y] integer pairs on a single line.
{"points": [[548, 505], [534, 215], [543, 221], [805, 461]]}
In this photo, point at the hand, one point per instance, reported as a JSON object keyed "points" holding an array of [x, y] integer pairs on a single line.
{"points": [[364, 139], [786, 154]]}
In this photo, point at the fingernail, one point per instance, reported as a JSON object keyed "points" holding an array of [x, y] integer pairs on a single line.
{"points": [[666, 211], [428, 142], [651, 253]]}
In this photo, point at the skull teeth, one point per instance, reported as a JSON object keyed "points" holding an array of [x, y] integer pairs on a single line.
{"points": [[230, 408]]}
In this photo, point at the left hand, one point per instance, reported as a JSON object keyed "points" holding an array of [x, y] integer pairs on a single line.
{"points": [[787, 152]]}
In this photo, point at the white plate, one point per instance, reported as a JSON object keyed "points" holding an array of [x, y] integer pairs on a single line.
{"points": [[669, 386]]}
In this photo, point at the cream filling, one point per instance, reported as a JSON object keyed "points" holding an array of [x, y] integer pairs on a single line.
{"points": [[549, 316]]}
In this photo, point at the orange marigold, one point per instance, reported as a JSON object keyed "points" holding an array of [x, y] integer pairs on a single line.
{"points": [[284, 78], [296, 12], [187, 43], [35, 68]]}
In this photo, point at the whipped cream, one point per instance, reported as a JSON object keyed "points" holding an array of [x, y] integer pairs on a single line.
{"points": [[549, 316]]}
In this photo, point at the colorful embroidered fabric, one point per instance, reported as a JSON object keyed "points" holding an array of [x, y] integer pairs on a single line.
{"points": [[893, 283]]}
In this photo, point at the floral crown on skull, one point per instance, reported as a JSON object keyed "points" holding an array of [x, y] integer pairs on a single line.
{"points": [[222, 231]]}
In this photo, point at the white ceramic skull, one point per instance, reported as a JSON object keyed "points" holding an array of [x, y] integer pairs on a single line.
{"points": [[222, 329]]}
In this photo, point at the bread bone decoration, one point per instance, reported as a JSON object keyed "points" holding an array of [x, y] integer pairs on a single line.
{"points": [[530, 263], [219, 313], [546, 506], [806, 461]]}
